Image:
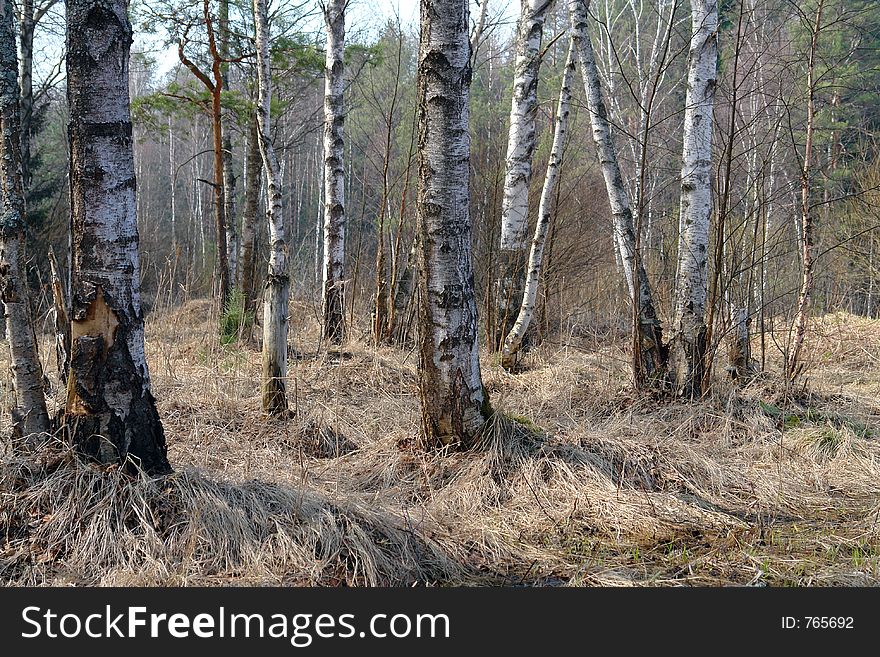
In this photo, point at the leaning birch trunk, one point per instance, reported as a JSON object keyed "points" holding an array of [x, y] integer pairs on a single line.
{"points": [[254, 176], [653, 351], [454, 402], [333, 329], [110, 412], [29, 415], [277, 279], [518, 169], [688, 345], [514, 339]]}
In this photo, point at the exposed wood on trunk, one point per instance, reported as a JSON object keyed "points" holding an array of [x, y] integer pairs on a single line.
{"points": [[110, 412]]}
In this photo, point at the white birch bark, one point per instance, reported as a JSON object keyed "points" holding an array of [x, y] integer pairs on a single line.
{"points": [[454, 403], [110, 412], [514, 339], [689, 327], [518, 170], [29, 414], [275, 304], [334, 174], [653, 352]]}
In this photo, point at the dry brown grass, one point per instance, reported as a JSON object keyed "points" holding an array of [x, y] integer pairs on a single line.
{"points": [[579, 482]]}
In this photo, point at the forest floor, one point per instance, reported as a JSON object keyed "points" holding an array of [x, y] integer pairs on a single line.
{"points": [[579, 483]]}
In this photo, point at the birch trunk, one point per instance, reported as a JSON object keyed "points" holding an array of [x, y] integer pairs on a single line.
{"points": [[653, 352], [277, 279], [29, 414], [253, 186], [806, 223], [454, 403], [688, 346], [402, 304], [110, 412], [514, 339], [334, 175], [518, 170]]}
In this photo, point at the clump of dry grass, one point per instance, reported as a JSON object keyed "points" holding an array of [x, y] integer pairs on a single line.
{"points": [[577, 481], [68, 521]]}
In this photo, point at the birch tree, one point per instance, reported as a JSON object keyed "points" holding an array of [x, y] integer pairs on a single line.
{"points": [[514, 339], [688, 345], [806, 224], [652, 356], [334, 174], [29, 415], [277, 279], [454, 402], [110, 412], [518, 171]]}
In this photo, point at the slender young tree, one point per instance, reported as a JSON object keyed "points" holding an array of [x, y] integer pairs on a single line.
{"points": [[29, 415], [233, 239], [688, 345], [514, 339], [214, 84], [334, 174], [806, 227], [254, 180], [110, 411], [454, 403], [518, 172], [277, 279], [652, 357]]}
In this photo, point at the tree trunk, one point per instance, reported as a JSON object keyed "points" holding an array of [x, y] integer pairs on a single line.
{"points": [[514, 339], [454, 403], [254, 176], [518, 172], [402, 304], [26, 25], [334, 175], [277, 280], [653, 352], [688, 346], [61, 319], [110, 412], [806, 232], [29, 414], [233, 243]]}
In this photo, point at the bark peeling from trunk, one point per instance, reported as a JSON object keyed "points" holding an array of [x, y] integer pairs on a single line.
{"points": [[110, 413]]}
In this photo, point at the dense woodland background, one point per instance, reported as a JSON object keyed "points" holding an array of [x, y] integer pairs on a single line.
{"points": [[758, 145], [586, 471]]}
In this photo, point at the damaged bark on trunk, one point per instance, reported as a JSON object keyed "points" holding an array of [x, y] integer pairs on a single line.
{"points": [[110, 414]]}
